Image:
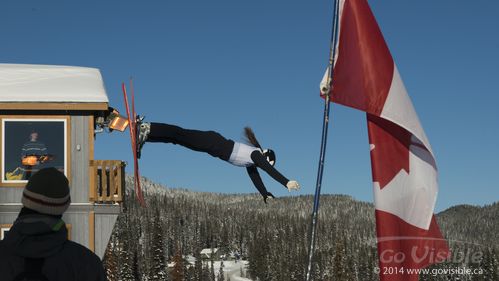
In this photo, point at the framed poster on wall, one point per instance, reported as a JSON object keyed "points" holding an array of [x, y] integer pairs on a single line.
{"points": [[30, 144]]}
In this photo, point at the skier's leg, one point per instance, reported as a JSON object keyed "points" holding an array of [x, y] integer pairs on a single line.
{"points": [[204, 141]]}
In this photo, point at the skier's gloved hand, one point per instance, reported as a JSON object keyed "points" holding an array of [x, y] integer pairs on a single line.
{"points": [[266, 196], [292, 185]]}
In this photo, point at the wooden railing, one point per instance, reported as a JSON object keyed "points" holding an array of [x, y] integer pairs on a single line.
{"points": [[107, 181]]}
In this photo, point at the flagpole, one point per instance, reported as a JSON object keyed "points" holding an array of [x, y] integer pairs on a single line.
{"points": [[325, 125]]}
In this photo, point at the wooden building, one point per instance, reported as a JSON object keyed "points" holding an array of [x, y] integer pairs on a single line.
{"points": [[56, 108]]}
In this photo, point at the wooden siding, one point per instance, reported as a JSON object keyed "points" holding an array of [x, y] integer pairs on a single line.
{"points": [[10, 195], [8, 214], [79, 158], [79, 226], [104, 225]]}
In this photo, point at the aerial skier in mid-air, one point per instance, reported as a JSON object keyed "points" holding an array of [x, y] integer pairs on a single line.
{"points": [[250, 155]]}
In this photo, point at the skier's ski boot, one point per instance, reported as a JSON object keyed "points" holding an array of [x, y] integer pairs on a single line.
{"points": [[142, 130]]}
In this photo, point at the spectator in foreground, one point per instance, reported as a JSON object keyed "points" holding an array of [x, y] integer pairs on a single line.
{"points": [[37, 245]]}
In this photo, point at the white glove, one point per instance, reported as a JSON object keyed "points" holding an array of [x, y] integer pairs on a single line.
{"points": [[292, 185]]}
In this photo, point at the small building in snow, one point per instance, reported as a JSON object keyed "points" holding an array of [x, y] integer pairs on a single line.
{"points": [[57, 109], [208, 253]]}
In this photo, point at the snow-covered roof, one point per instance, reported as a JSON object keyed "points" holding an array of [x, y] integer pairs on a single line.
{"points": [[209, 251], [28, 83]]}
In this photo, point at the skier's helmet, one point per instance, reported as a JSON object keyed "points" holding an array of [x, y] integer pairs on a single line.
{"points": [[270, 156]]}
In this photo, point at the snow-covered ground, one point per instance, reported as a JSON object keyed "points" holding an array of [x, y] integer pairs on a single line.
{"points": [[232, 270]]}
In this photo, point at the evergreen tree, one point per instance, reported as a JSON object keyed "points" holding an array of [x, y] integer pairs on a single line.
{"points": [[212, 269], [135, 269], [109, 261], [206, 276], [341, 269], [178, 267], [221, 276], [198, 266], [494, 265], [157, 246]]}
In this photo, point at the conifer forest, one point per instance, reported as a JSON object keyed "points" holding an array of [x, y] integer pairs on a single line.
{"points": [[164, 240]]}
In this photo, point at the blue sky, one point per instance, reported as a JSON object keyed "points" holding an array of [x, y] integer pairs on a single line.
{"points": [[222, 65]]}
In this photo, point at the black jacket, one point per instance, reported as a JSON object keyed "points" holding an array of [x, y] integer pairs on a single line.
{"points": [[41, 236]]}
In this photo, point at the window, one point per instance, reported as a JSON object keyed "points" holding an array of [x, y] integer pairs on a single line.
{"points": [[30, 144]]}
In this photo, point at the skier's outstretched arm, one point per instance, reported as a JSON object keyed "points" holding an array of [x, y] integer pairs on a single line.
{"points": [[263, 164], [257, 181]]}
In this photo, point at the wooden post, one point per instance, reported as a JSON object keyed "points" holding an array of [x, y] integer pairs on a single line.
{"points": [[92, 181]]}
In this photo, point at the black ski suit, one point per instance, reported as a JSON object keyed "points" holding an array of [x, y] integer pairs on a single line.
{"points": [[218, 146], [42, 236]]}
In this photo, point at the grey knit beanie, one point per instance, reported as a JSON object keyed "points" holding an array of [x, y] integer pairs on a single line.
{"points": [[47, 192]]}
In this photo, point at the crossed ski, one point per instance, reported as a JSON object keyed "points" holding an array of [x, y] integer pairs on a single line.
{"points": [[133, 129]]}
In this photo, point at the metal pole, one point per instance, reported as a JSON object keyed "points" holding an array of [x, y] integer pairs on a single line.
{"points": [[318, 188], [325, 125]]}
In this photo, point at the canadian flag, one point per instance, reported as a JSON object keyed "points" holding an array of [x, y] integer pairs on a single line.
{"points": [[403, 167]]}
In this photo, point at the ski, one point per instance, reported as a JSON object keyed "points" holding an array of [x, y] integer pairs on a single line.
{"points": [[132, 121]]}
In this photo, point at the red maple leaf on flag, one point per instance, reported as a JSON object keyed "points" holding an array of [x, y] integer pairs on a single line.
{"points": [[390, 146]]}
